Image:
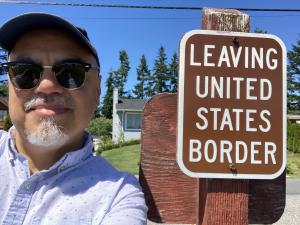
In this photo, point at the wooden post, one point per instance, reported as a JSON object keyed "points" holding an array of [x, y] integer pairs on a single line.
{"points": [[226, 199], [170, 194], [248, 199], [225, 20]]}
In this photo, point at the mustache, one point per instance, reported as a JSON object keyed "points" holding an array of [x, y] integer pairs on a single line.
{"points": [[48, 100]]}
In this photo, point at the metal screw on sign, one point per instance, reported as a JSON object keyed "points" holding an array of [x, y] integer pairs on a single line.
{"points": [[233, 168], [236, 42]]}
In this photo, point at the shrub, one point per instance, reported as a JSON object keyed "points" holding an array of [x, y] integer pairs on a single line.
{"points": [[293, 137], [100, 127], [130, 142], [107, 144], [7, 123], [291, 168]]}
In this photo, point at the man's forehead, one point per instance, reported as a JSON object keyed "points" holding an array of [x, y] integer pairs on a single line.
{"points": [[39, 42], [40, 36]]}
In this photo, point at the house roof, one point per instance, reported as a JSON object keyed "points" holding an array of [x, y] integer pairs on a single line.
{"points": [[3, 100], [293, 117], [130, 104]]}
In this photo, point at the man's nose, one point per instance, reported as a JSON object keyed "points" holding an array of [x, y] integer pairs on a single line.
{"points": [[48, 83]]}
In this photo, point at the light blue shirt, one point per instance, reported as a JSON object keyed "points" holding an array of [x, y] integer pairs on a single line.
{"points": [[78, 189]]}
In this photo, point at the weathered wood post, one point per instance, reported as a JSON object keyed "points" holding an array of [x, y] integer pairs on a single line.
{"points": [[170, 194], [248, 199], [226, 200], [173, 197]]}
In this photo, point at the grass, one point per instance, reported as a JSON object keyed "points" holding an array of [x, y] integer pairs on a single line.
{"points": [[293, 165], [128, 159], [125, 158]]}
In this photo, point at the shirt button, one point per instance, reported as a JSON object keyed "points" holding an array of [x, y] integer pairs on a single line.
{"points": [[27, 186], [61, 168]]}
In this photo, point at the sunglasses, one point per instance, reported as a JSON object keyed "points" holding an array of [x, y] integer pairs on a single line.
{"points": [[70, 75]]}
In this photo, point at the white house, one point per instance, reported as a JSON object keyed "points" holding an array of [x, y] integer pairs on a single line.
{"points": [[127, 118]]}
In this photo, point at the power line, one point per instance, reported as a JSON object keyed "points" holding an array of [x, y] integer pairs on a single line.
{"points": [[136, 6], [272, 16]]}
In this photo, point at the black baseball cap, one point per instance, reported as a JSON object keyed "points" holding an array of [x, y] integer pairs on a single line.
{"points": [[15, 28]]}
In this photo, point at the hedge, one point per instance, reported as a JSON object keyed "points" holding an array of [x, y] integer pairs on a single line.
{"points": [[107, 144], [293, 137]]}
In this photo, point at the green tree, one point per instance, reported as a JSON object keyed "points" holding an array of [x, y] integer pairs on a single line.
{"points": [[97, 112], [260, 31], [293, 78], [100, 127], [143, 73], [129, 94], [158, 82], [7, 123], [107, 104], [149, 86], [3, 58], [173, 73], [3, 75], [121, 74], [3, 89]]}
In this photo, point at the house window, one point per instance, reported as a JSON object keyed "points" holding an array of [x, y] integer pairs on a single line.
{"points": [[133, 121], [3, 114]]}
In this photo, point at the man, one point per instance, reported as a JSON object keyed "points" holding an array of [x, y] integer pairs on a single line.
{"points": [[48, 174]]}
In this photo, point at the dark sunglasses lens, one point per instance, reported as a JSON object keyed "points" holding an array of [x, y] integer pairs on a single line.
{"points": [[70, 75], [24, 76]]}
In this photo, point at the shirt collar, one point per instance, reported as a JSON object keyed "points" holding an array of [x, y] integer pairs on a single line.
{"points": [[71, 159]]}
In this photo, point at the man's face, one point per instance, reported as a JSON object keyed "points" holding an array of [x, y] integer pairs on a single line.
{"points": [[69, 110]]}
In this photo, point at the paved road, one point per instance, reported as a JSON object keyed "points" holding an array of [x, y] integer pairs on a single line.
{"points": [[293, 186], [291, 215]]}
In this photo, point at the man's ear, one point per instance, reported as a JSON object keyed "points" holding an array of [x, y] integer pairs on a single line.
{"points": [[99, 86]]}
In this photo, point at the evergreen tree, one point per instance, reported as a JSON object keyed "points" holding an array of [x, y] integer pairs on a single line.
{"points": [[121, 74], [149, 86], [173, 73], [3, 75], [293, 78], [143, 73], [159, 79], [129, 95], [97, 112], [107, 104], [260, 31], [3, 58], [3, 89]]}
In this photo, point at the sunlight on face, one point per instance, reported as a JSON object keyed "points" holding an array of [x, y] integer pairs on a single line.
{"points": [[69, 110]]}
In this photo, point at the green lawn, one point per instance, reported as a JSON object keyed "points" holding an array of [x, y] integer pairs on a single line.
{"points": [[128, 159], [293, 165], [125, 159]]}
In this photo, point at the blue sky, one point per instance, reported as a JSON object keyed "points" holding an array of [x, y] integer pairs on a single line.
{"points": [[143, 31]]}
